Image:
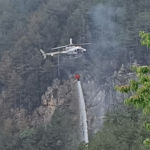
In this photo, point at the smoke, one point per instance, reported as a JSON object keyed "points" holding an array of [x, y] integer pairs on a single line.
{"points": [[106, 29]]}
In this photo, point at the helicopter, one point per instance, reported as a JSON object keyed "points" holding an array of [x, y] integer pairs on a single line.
{"points": [[71, 50]]}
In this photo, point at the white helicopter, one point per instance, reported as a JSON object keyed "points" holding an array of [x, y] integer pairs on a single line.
{"points": [[72, 50]]}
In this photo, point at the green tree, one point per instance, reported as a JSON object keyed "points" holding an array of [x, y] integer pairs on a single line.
{"points": [[140, 86], [121, 130]]}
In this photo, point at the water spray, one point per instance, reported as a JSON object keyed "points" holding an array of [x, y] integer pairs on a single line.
{"points": [[83, 115]]}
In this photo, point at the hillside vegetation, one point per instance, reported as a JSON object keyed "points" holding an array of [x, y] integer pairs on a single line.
{"points": [[27, 26], [112, 26], [122, 130]]}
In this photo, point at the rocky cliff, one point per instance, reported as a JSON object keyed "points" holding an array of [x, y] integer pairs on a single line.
{"points": [[62, 94]]}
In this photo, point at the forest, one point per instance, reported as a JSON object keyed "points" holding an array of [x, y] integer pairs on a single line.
{"points": [[112, 26]]}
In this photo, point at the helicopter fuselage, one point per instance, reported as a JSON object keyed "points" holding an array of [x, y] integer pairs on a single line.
{"points": [[70, 50], [73, 50]]}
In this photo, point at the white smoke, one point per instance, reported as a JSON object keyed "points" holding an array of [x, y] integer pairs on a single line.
{"points": [[106, 29]]}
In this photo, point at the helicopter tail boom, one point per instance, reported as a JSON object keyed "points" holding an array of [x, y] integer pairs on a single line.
{"points": [[54, 53]]}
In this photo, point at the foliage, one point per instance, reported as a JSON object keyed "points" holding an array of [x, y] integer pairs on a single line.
{"points": [[141, 86], [145, 38], [28, 26], [25, 26], [27, 133], [58, 134], [122, 130]]}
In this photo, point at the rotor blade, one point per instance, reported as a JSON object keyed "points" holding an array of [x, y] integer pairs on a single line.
{"points": [[60, 47], [82, 44]]}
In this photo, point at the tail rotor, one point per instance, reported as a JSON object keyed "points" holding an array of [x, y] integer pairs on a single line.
{"points": [[43, 53]]}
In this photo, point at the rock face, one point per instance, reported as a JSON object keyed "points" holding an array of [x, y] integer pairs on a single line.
{"points": [[100, 98], [55, 97]]}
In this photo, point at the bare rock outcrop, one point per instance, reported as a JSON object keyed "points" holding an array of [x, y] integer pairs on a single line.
{"points": [[56, 96]]}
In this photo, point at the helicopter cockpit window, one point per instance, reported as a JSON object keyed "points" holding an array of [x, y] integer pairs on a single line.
{"points": [[79, 51]]}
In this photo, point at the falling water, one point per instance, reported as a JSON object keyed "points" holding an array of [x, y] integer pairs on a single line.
{"points": [[83, 117]]}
